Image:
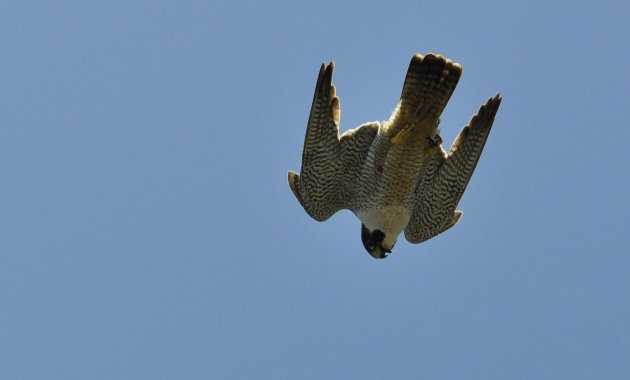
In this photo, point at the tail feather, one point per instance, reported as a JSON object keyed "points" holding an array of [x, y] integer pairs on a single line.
{"points": [[429, 84]]}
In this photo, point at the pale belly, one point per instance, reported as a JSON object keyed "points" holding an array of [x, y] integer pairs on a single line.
{"points": [[386, 193], [385, 218]]}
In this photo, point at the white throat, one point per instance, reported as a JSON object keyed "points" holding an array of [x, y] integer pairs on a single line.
{"points": [[391, 220]]}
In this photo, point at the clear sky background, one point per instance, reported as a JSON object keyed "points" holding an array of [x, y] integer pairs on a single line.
{"points": [[147, 229]]}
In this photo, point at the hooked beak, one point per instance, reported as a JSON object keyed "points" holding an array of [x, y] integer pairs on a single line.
{"points": [[373, 243], [379, 252]]}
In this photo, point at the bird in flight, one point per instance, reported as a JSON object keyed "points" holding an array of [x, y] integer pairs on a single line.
{"points": [[393, 175]]}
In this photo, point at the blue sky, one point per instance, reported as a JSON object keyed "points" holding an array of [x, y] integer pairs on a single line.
{"points": [[147, 229]]}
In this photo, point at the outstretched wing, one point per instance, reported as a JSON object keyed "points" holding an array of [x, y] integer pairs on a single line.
{"points": [[447, 177], [329, 163]]}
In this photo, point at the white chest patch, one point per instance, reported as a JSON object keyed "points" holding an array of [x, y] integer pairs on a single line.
{"points": [[390, 219]]}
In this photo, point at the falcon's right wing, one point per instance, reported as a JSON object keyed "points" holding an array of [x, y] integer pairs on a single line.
{"points": [[329, 163], [447, 177]]}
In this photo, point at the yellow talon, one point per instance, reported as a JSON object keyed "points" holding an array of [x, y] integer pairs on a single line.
{"points": [[402, 136]]}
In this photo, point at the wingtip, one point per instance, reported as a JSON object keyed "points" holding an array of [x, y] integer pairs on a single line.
{"points": [[329, 68], [491, 106], [494, 103], [324, 86], [322, 69], [328, 73], [293, 178], [326, 69]]}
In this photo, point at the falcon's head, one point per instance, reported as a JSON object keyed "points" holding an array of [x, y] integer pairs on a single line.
{"points": [[376, 242]]}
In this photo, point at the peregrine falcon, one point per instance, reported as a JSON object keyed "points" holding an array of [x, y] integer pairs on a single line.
{"points": [[393, 175]]}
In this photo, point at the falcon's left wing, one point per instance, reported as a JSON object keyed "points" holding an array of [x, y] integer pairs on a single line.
{"points": [[447, 177], [329, 163]]}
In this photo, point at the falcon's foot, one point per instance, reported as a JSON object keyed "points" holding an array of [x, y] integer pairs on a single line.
{"points": [[434, 145], [402, 136]]}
